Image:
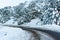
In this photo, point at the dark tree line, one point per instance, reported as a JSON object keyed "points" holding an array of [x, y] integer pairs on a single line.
{"points": [[35, 9]]}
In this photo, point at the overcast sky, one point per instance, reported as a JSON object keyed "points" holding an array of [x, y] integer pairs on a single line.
{"points": [[4, 3]]}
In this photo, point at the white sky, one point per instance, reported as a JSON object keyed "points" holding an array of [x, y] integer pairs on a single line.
{"points": [[4, 3]]}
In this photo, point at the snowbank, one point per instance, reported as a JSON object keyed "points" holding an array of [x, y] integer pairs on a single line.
{"points": [[8, 33]]}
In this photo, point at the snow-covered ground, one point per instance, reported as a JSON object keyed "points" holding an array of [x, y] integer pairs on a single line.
{"points": [[9, 33]]}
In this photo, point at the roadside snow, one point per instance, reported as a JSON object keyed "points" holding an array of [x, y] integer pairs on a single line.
{"points": [[34, 22], [8, 33], [11, 22]]}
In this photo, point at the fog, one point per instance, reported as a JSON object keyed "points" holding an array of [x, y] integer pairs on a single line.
{"points": [[4, 3]]}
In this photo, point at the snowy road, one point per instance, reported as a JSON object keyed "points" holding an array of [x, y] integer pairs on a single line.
{"points": [[9, 33]]}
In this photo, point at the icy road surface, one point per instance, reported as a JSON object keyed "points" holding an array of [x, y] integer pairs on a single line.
{"points": [[9, 33]]}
